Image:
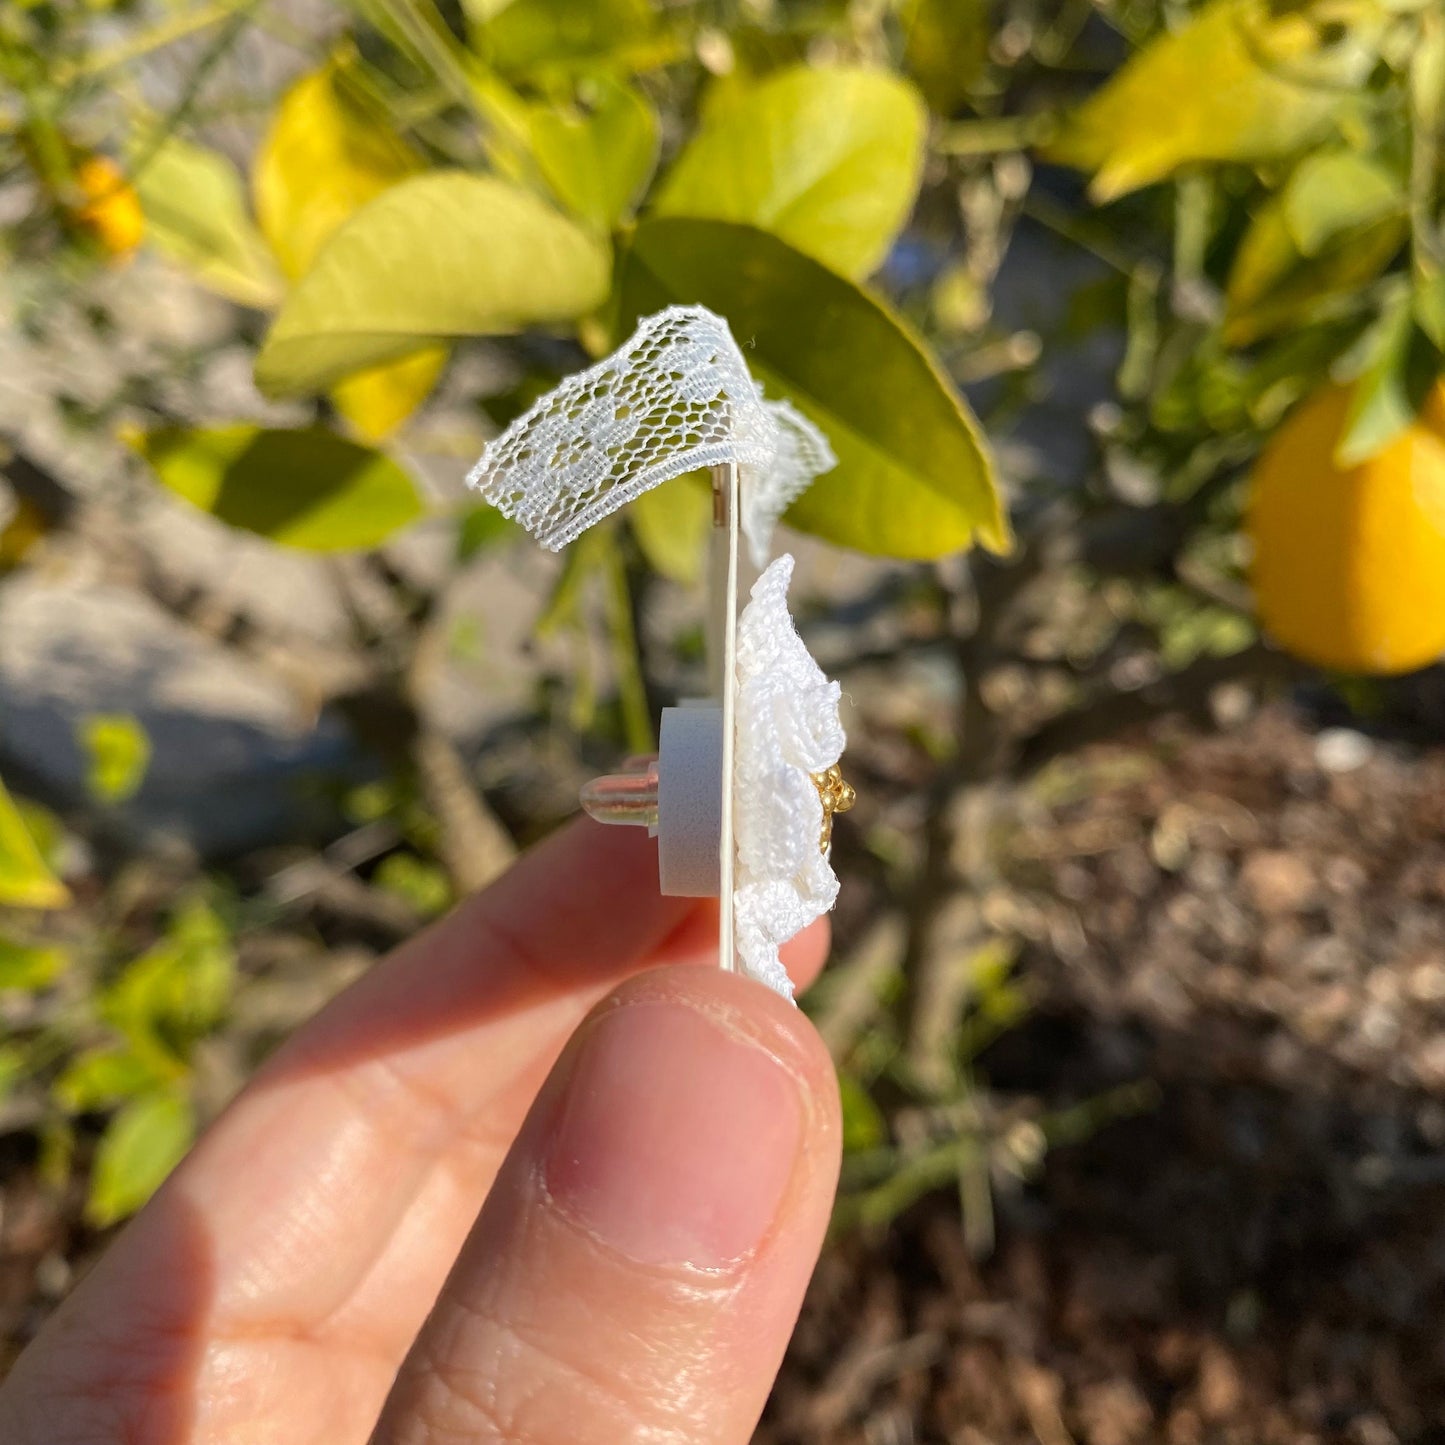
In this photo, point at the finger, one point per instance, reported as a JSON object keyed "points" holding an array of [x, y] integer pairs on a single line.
{"points": [[263, 1236], [415, 1260], [440, 1048], [322, 1211], [639, 1264]]}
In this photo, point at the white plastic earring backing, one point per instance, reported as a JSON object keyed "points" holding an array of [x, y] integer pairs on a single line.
{"points": [[677, 797], [745, 783]]}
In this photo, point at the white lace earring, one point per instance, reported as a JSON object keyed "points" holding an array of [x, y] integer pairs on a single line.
{"points": [[746, 782]]}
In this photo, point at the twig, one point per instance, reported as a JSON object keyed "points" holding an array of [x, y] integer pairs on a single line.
{"points": [[849, 992], [475, 847]]}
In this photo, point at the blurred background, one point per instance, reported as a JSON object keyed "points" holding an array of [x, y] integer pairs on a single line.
{"points": [[1139, 985]]}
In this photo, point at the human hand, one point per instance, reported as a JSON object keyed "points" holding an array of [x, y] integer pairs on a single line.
{"points": [[426, 1220]]}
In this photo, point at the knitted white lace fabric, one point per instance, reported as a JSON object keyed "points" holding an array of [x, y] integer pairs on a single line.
{"points": [[675, 397], [787, 728]]}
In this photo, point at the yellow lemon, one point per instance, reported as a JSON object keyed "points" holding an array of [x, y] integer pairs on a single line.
{"points": [[111, 211], [1349, 562]]}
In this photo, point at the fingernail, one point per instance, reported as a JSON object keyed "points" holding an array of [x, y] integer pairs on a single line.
{"points": [[675, 1139]]}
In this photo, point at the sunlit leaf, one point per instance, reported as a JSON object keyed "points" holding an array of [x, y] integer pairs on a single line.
{"points": [[541, 38], [25, 880], [29, 966], [1392, 388], [1430, 308], [326, 154], [195, 209], [310, 489], [441, 255], [913, 479], [139, 1148], [118, 752], [424, 886], [1241, 80], [1333, 192], [1334, 226], [597, 155], [828, 160], [177, 990], [945, 48], [671, 524], [376, 401], [103, 1077], [482, 526], [864, 1126]]}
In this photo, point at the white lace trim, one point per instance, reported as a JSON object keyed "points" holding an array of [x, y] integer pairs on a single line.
{"points": [[787, 729], [675, 397]]}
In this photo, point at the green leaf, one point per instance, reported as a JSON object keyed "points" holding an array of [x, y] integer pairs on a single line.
{"points": [[195, 209], [309, 489], [25, 881], [29, 966], [1391, 390], [423, 885], [913, 479], [1430, 308], [118, 752], [175, 992], [671, 524], [1241, 80], [441, 255], [482, 527], [1335, 192], [596, 156], [1335, 226], [14, 1066], [827, 160], [863, 1124], [139, 1148], [945, 48], [103, 1077], [550, 38]]}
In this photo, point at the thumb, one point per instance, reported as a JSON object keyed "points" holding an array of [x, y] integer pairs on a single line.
{"points": [[639, 1265]]}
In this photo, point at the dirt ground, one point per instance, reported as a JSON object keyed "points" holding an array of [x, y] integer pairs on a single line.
{"points": [[1255, 922]]}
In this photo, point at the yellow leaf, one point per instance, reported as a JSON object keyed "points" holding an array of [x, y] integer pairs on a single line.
{"points": [[119, 753], [378, 400], [1241, 81], [671, 524], [324, 157], [25, 880]]}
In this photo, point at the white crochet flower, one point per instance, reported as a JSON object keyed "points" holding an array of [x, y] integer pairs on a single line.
{"points": [[787, 729]]}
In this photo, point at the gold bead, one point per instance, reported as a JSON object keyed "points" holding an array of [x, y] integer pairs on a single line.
{"points": [[837, 795]]}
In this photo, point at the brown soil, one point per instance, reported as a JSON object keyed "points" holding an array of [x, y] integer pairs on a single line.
{"points": [[1259, 1258]]}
